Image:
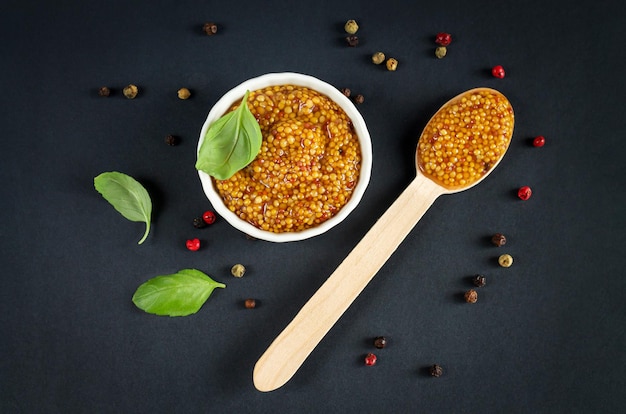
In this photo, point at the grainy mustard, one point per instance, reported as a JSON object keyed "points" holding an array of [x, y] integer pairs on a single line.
{"points": [[307, 167]]}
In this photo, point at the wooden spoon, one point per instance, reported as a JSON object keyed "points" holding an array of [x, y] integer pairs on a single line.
{"points": [[461, 144]]}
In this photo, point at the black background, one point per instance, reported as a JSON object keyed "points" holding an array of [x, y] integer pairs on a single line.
{"points": [[546, 336]]}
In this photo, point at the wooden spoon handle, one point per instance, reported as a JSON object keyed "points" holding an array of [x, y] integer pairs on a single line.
{"points": [[294, 344]]}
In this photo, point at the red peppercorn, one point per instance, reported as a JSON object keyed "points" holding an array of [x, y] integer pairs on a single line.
{"points": [[208, 217], [443, 39], [539, 141], [370, 359], [193, 244], [498, 71], [524, 192]]}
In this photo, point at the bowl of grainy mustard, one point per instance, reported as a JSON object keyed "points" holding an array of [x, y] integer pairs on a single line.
{"points": [[314, 163]]}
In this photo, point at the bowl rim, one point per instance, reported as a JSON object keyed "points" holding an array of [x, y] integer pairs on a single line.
{"points": [[299, 79]]}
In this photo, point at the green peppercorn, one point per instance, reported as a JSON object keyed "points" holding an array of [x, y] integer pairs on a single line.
{"points": [[131, 91], [351, 27], [441, 52], [378, 58], [238, 270]]}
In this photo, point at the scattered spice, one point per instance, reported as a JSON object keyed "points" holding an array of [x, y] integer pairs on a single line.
{"points": [[539, 141], [193, 244], [436, 371], [172, 140], [378, 58], [524, 192], [131, 91], [392, 64], [441, 52], [351, 27], [184, 93], [443, 39], [249, 303], [498, 239], [380, 342], [209, 217], [238, 270], [370, 359], [359, 99], [505, 260], [471, 296], [199, 223], [352, 40], [498, 71], [209, 28], [104, 91], [479, 280], [346, 91]]}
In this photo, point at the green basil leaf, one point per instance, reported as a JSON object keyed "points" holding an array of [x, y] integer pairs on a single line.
{"points": [[127, 196], [230, 143], [180, 294]]}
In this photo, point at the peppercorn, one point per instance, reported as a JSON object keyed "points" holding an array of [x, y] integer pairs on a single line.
{"points": [[346, 91], [441, 52], [104, 91], [184, 93], [380, 342], [209, 28], [351, 27], [172, 140], [436, 371], [479, 280], [209, 217], [505, 260], [539, 141], [392, 64], [524, 192], [199, 223], [249, 303], [443, 39], [131, 91], [471, 296], [352, 40], [498, 239], [359, 99], [378, 58], [370, 359], [498, 71], [193, 244], [238, 270]]}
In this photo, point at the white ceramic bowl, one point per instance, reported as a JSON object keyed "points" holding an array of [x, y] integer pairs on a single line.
{"points": [[288, 78]]}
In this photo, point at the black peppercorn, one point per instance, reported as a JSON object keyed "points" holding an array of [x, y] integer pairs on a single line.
{"points": [[352, 40], [346, 91], [380, 342], [498, 239], [209, 28], [250, 303], [359, 99], [479, 280], [199, 223], [104, 91], [436, 370], [471, 296], [172, 140]]}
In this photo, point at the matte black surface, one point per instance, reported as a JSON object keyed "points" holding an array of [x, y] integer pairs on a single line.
{"points": [[546, 336]]}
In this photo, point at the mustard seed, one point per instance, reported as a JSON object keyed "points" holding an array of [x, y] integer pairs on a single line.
{"points": [[209, 28], [505, 260], [131, 91], [378, 58], [471, 296], [441, 52], [184, 93], [392, 64], [351, 27], [238, 270]]}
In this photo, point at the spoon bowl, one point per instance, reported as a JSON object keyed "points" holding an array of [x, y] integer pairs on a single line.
{"points": [[461, 144]]}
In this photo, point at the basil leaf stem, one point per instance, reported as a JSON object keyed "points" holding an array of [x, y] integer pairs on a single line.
{"points": [[230, 143], [179, 294], [127, 196]]}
